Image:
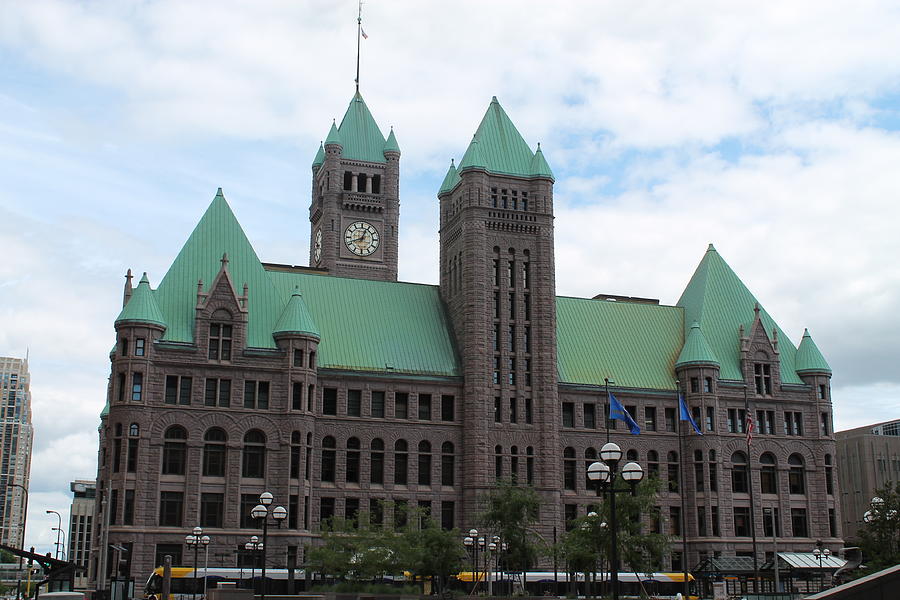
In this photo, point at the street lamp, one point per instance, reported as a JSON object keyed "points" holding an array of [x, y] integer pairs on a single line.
{"points": [[821, 554], [254, 545], [63, 545], [470, 542], [261, 512], [194, 540], [604, 474], [58, 529]]}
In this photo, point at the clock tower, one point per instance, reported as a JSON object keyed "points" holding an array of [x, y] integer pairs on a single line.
{"points": [[355, 208]]}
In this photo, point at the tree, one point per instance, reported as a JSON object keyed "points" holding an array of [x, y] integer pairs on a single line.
{"points": [[880, 533], [511, 511]]}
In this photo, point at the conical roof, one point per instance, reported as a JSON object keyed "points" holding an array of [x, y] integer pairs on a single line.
{"points": [[320, 156], [809, 358], [360, 135], [334, 136], [719, 301], [539, 166], [499, 145], [295, 318], [696, 349], [218, 233], [141, 307], [450, 179], [391, 144]]}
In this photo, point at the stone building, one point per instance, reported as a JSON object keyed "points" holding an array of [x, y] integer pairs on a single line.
{"points": [[81, 527], [335, 386], [16, 436], [868, 459]]}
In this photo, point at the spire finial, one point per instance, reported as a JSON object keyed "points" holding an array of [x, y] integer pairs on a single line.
{"points": [[756, 310], [224, 260]]}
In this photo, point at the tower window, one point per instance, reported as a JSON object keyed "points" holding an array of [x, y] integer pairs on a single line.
{"points": [[762, 375], [219, 341], [376, 184], [525, 201], [139, 345], [348, 180], [494, 197], [361, 182]]}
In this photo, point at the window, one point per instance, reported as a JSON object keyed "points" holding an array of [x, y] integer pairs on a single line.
{"points": [[326, 511], [376, 462], [569, 468], [114, 507], [377, 404], [219, 341], [448, 464], [296, 396], [131, 461], [376, 512], [248, 501], [448, 408], [121, 388], [498, 409], [513, 411], [739, 473], [695, 385], [424, 463], [256, 394], [699, 471], [400, 513], [498, 462], [823, 391], [123, 343], [768, 476], [212, 509], [673, 471], [447, 511], [674, 520], [171, 505], [401, 462], [312, 360], [514, 464], [799, 522], [737, 420], [294, 471], [568, 414], [308, 460], [825, 424], [139, 346], [656, 519], [329, 401], [424, 407], [528, 416], [701, 521], [129, 508], [570, 513], [713, 475], [653, 464], [214, 452], [512, 305], [829, 476], [401, 405], [351, 466], [832, 523], [714, 518], [254, 458], [742, 521], [650, 418], [298, 357], [329, 458], [590, 456], [354, 403], [529, 465], [670, 419], [771, 516], [590, 415], [174, 449], [348, 184], [710, 418], [796, 475], [218, 392], [293, 511], [762, 377], [137, 386], [707, 385]]}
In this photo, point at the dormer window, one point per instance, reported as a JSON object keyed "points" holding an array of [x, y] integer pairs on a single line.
{"points": [[219, 341], [762, 376], [139, 346]]}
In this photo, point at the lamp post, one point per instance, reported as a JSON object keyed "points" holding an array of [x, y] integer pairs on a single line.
{"points": [[821, 554], [58, 529], [470, 541], [254, 545], [604, 473], [61, 546], [261, 512]]}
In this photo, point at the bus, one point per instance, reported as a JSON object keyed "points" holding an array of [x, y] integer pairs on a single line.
{"points": [[548, 583]]}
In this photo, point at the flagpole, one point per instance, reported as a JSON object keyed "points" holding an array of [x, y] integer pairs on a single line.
{"points": [[681, 489], [608, 410], [358, 42], [748, 424]]}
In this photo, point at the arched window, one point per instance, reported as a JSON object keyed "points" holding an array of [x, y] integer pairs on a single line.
{"points": [[448, 464], [529, 465], [796, 475], [308, 457], [632, 455], [214, 452], [132, 457], [829, 475], [514, 464], [401, 462], [699, 471], [254, 459], [352, 463], [713, 472], [174, 450], [590, 455], [739, 484], [569, 468], [672, 469], [134, 430], [652, 463], [329, 455], [768, 475], [424, 463], [295, 455], [376, 461], [498, 462], [118, 430]]}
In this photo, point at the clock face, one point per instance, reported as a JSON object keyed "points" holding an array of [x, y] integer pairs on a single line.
{"points": [[317, 246], [361, 238]]}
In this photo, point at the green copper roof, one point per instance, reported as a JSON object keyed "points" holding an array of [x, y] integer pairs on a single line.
{"points": [[334, 136], [142, 307], [809, 358], [539, 166], [360, 135], [450, 179], [391, 144], [376, 325], [720, 302], [218, 233], [105, 411], [498, 146], [295, 318], [320, 156], [696, 349], [633, 344]]}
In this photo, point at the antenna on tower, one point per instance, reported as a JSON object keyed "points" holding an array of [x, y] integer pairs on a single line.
{"points": [[359, 35]]}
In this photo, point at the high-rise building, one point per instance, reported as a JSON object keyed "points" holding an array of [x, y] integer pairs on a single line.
{"points": [[16, 436], [336, 387], [81, 527], [868, 459]]}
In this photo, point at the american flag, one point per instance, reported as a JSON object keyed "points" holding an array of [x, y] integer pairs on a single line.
{"points": [[750, 427]]}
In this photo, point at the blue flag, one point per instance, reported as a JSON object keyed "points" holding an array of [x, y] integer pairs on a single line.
{"points": [[617, 411], [685, 414]]}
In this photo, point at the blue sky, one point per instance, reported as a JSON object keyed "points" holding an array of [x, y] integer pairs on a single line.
{"points": [[769, 130]]}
